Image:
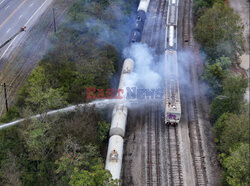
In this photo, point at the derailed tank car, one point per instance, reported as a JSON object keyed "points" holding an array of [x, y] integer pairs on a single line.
{"points": [[120, 112], [135, 36], [140, 21], [119, 115], [114, 156]]}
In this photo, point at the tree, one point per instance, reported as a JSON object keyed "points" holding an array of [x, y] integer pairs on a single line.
{"points": [[39, 140], [232, 97], [220, 125], [11, 172], [220, 32], [219, 106], [38, 94], [237, 166], [10, 146], [83, 168], [103, 129], [98, 176], [201, 6], [215, 73], [236, 131], [13, 113], [234, 88]]}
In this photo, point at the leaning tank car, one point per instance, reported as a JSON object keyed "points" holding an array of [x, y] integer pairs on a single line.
{"points": [[120, 112], [114, 156], [135, 36], [118, 126], [140, 20]]}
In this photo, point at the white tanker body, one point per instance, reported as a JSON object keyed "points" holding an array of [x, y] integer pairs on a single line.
{"points": [[118, 126], [114, 156], [143, 5], [120, 112]]}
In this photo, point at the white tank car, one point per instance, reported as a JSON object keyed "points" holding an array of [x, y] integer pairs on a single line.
{"points": [[128, 67], [114, 156], [120, 112], [119, 116], [143, 5], [119, 119]]}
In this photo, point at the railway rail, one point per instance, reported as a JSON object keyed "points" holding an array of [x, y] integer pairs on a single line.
{"points": [[158, 163], [154, 38], [193, 122], [175, 171], [152, 175]]}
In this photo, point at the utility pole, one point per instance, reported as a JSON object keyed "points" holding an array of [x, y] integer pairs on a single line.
{"points": [[54, 19], [5, 95]]}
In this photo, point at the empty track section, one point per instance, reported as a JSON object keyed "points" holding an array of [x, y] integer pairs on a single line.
{"points": [[153, 150], [193, 124], [175, 172]]}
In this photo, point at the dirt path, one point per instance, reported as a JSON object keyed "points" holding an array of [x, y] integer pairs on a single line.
{"points": [[241, 7]]}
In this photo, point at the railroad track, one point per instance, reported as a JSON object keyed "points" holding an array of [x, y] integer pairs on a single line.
{"points": [[161, 27], [193, 122], [175, 172], [153, 36], [157, 144], [153, 147], [150, 164], [154, 143], [196, 147]]}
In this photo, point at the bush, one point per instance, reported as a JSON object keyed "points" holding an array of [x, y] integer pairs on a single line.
{"points": [[13, 113], [214, 74], [237, 166], [232, 97]]}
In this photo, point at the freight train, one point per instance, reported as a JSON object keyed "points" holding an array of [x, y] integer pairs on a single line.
{"points": [[172, 91], [120, 111]]}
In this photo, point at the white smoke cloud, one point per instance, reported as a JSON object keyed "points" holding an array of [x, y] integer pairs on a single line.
{"points": [[144, 75]]}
